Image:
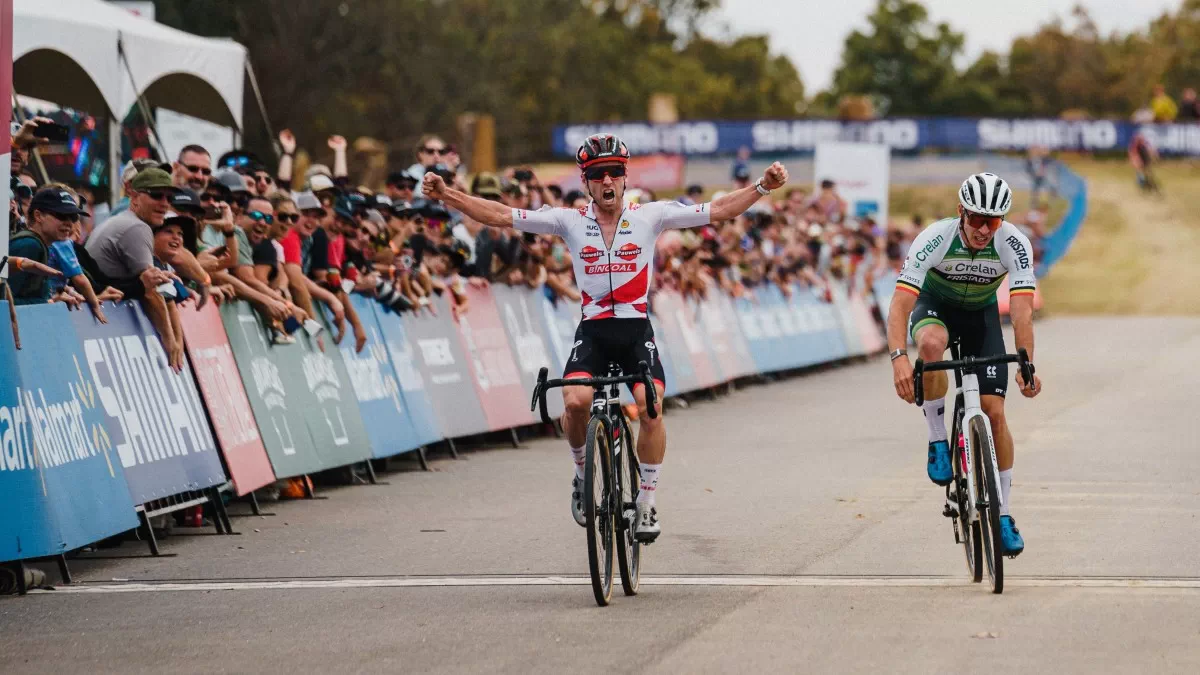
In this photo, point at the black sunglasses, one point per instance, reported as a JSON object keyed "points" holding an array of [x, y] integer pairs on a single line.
{"points": [[158, 195], [434, 151], [72, 218], [260, 217], [198, 169], [264, 177], [599, 172], [287, 217]]}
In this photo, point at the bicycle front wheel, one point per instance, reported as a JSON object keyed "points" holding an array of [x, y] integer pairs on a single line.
{"points": [[629, 549], [987, 491], [597, 501], [968, 530]]}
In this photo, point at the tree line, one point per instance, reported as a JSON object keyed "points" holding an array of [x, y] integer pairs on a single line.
{"points": [[394, 70]]}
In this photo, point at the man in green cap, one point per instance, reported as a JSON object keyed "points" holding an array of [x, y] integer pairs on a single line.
{"points": [[123, 248]]}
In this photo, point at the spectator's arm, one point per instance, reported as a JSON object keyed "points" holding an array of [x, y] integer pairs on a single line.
{"points": [[360, 335], [283, 177], [299, 285], [156, 310], [338, 145], [245, 273], [263, 273], [81, 284]]}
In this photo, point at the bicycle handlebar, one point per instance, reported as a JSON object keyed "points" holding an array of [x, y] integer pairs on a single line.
{"points": [[543, 385], [969, 364]]}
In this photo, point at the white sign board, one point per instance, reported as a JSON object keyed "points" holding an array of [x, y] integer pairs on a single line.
{"points": [[861, 172], [177, 130]]}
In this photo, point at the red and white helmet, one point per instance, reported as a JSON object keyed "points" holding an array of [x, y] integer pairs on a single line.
{"points": [[600, 149]]}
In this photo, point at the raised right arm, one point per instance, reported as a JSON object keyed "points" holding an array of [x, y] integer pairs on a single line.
{"points": [[485, 211]]}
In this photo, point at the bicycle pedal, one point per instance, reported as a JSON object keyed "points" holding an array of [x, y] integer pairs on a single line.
{"points": [[949, 511]]}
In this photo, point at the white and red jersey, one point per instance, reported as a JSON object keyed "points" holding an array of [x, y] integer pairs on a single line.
{"points": [[614, 281]]}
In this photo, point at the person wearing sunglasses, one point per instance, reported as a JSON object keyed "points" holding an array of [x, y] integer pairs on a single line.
{"points": [[51, 215], [123, 250], [612, 246], [193, 169], [430, 150]]}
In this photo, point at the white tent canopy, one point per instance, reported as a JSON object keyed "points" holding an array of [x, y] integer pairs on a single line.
{"points": [[69, 52]]}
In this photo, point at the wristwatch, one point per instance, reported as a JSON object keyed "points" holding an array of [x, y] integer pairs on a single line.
{"points": [[897, 353], [761, 190]]}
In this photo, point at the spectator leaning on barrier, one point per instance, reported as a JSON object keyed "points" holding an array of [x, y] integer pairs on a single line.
{"points": [[297, 246], [123, 248], [52, 213]]}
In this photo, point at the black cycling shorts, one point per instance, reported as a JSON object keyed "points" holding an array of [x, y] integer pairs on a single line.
{"points": [[624, 342], [979, 330]]}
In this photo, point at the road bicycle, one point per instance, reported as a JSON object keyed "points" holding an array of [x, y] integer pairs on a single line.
{"points": [[973, 498], [610, 478]]}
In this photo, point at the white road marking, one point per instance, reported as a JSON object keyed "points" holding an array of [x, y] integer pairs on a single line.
{"points": [[715, 580]]}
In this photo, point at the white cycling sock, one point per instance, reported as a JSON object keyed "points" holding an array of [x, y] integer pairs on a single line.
{"points": [[649, 483], [935, 417], [1005, 486], [580, 456]]}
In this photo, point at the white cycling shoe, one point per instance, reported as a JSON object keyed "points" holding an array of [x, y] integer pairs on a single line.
{"points": [[577, 501], [648, 528]]}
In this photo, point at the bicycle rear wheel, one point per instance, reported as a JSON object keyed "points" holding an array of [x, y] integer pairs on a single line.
{"points": [[597, 500], [987, 491], [629, 549], [968, 531]]}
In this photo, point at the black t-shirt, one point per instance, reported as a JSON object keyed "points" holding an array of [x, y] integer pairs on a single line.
{"points": [[318, 254], [264, 253]]}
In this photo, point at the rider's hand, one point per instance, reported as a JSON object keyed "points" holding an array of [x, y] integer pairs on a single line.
{"points": [[1029, 392], [902, 378], [337, 143], [775, 176], [432, 186]]}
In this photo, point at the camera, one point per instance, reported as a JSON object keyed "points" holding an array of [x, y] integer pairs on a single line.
{"points": [[523, 175], [391, 297]]}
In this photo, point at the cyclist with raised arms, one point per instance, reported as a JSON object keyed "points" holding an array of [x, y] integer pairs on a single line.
{"points": [[612, 249], [947, 289]]}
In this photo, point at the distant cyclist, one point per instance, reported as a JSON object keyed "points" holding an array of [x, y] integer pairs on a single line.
{"points": [[947, 289], [612, 248]]}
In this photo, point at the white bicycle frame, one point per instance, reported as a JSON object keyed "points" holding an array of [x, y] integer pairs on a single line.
{"points": [[972, 410]]}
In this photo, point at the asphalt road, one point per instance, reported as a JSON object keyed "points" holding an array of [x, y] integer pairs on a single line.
{"points": [[800, 535]]}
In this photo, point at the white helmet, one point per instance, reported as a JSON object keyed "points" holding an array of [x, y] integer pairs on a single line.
{"points": [[986, 194]]}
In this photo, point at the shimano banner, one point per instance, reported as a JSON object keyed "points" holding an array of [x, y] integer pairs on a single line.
{"points": [[900, 134], [154, 415], [57, 450]]}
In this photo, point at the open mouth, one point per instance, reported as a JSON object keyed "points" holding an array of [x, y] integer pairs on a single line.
{"points": [[609, 195]]}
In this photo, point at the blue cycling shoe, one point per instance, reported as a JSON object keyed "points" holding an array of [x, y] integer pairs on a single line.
{"points": [[1010, 537], [939, 463]]}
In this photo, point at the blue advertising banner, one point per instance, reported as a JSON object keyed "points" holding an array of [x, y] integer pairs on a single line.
{"points": [[846, 320], [710, 137], [412, 382], [820, 320], [376, 387], [27, 529], [761, 331], [56, 444], [154, 415]]}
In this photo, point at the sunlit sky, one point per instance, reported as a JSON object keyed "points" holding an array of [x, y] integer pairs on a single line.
{"points": [[812, 32]]}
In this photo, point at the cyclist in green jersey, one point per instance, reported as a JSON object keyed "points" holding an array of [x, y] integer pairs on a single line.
{"points": [[947, 289]]}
